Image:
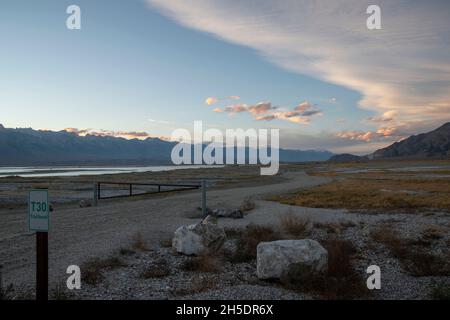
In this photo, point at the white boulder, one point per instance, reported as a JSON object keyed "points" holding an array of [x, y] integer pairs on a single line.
{"points": [[198, 238], [290, 260]]}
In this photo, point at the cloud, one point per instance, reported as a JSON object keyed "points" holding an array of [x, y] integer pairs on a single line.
{"points": [[369, 136], [109, 133], [237, 108], [210, 101], [159, 121], [304, 106], [404, 67], [261, 108], [264, 111], [310, 113], [266, 118], [213, 100], [388, 116]]}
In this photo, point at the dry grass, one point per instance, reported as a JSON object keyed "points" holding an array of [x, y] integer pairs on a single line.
{"points": [[60, 292], [440, 291], [91, 270], [202, 263], [247, 205], [341, 281], [126, 252], [334, 227], [248, 240], [369, 191], [414, 257], [433, 233], [139, 243], [197, 285], [294, 225], [166, 243], [159, 270]]}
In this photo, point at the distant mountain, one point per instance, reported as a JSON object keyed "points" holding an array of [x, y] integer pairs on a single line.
{"points": [[346, 157], [20, 147], [435, 143]]}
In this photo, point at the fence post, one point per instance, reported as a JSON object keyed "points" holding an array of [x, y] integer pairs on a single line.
{"points": [[204, 213], [1, 283], [95, 196]]}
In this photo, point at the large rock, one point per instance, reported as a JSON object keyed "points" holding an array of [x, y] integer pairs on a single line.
{"points": [[290, 260], [198, 238]]}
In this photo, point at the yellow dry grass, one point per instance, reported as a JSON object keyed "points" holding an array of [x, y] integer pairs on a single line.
{"points": [[374, 191]]}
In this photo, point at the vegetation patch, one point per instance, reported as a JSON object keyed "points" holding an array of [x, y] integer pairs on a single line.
{"points": [[440, 291], [373, 192], [91, 270], [139, 243], [415, 258], [294, 225], [247, 205], [249, 239], [196, 285], [341, 281], [202, 263], [158, 270]]}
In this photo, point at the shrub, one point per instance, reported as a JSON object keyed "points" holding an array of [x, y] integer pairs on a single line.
{"points": [[247, 205], [139, 243], [202, 263], [159, 270], [341, 281], [440, 291], [294, 225], [91, 270], [248, 241], [412, 255]]}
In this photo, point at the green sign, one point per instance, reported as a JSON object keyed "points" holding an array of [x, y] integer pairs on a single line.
{"points": [[38, 211]]}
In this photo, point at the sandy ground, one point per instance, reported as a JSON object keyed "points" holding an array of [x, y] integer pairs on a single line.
{"points": [[80, 233]]}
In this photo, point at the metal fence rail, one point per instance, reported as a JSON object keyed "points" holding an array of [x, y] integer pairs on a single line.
{"points": [[177, 187]]}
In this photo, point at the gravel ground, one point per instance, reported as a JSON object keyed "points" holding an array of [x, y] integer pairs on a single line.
{"points": [[80, 234]]}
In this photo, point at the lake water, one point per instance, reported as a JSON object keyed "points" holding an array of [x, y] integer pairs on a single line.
{"points": [[81, 171]]}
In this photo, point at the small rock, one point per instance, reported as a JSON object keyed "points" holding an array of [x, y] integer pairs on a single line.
{"points": [[228, 213], [84, 203]]}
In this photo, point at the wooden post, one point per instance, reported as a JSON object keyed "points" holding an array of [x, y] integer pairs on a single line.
{"points": [[204, 213], [95, 195], [41, 266], [1, 283], [131, 189]]}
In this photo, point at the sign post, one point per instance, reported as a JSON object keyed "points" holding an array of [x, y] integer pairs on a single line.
{"points": [[38, 220], [204, 210]]}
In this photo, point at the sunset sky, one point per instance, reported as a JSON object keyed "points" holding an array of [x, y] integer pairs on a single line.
{"points": [[310, 68]]}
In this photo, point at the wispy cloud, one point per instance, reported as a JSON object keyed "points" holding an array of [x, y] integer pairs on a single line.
{"points": [[405, 67], [213, 100], [265, 111], [368, 136], [110, 133]]}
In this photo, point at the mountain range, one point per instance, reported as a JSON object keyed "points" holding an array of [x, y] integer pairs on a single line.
{"points": [[25, 146], [435, 143]]}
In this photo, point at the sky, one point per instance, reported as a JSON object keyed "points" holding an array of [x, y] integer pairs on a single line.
{"points": [[312, 69]]}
